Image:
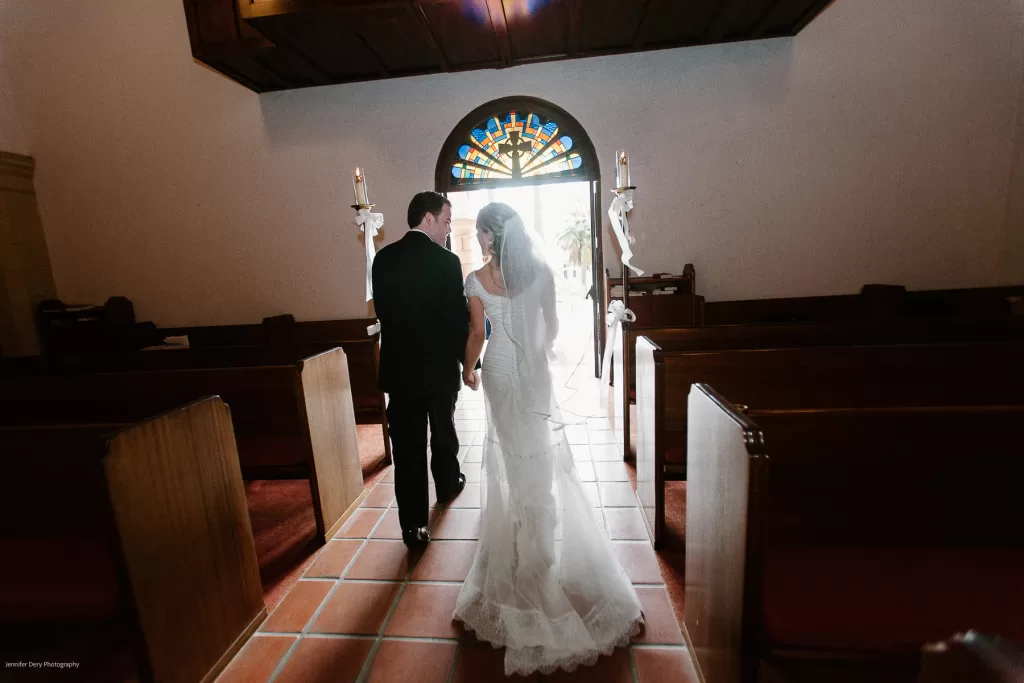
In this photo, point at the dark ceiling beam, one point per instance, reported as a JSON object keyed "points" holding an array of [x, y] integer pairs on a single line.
{"points": [[766, 20], [574, 7], [421, 16], [641, 26], [272, 73], [318, 74], [719, 26], [496, 10], [382, 66]]}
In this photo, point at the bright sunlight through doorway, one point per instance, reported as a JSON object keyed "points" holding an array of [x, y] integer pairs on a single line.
{"points": [[559, 215]]}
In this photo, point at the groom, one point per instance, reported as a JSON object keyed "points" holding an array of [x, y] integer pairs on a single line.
{"points": [[424, 322]]}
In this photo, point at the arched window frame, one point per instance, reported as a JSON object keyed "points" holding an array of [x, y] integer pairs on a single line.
{"points": [[523, 105]]}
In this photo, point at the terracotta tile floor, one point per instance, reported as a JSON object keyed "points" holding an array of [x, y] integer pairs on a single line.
{"points": [[366, 612]]}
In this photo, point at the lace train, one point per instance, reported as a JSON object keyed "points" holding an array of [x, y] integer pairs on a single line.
{"points": [[581, 639], [545, 583]]}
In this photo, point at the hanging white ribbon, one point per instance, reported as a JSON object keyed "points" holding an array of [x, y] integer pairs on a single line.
{"points": [[373, 329], [369, 224], [622, 204], [617, 312]]}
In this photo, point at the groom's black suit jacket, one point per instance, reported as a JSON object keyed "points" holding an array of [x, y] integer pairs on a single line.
{"points": [[424, 318]]}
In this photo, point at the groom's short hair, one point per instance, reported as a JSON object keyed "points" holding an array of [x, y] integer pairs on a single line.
{"points": [[424, 203]]}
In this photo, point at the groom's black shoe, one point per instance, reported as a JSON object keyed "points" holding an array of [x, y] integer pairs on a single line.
{"points": [[459, 486], [416, 539]]}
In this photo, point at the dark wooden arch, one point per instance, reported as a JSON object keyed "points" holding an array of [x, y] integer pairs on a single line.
{"points": [[567, 125]]}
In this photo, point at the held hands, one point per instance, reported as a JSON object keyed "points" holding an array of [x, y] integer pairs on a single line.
{"points": [[471, 378]]}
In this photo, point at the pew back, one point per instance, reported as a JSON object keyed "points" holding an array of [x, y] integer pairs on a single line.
{"points": [[276, 330], [262, 398], [307, 338], [246, 345], [831, 333], [893, 476], [874, 301], [294, 420], [814, 377], [841, 377], [361, 352]]}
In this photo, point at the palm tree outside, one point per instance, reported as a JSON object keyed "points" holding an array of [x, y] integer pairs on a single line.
{"points": [[575, 241]]}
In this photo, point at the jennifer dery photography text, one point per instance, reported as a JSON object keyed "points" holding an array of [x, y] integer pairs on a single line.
{"points": [[42, 665]]}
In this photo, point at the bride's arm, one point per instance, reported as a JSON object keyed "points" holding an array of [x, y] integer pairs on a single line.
{"points": [[475, 341]]}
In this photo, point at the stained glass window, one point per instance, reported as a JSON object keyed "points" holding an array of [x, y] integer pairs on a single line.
{"points": [[513, 145]]}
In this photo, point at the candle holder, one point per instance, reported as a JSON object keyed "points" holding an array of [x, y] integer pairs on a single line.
{"points": [[622, 172], [359, 187]]}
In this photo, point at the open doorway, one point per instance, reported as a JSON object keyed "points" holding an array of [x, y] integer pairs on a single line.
{"points": [[559, 218], [537, 158]]}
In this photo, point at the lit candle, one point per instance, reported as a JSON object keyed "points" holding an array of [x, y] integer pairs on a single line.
{"points": [[621, 169], [359, 184]]}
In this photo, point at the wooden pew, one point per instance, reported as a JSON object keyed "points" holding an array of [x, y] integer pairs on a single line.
{"points": [[277, 330], [306, 338], [812, 377], [797, 335], [832, 544], [292, 419], [143, 531], [684, 313], [972, 657], [873, 301]]}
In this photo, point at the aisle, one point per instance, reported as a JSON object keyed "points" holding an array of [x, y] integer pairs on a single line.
{"points": [[362, 613]]}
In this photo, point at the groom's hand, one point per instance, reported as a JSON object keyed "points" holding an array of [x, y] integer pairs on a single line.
{"points": [[471, 379]]}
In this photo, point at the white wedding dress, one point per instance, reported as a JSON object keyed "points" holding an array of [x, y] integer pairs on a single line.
{"points": [[545, 582]]}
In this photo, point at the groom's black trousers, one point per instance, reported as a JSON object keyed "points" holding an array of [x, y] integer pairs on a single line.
{"points": [[408, 416]]}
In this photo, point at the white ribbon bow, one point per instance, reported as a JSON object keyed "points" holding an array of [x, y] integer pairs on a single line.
{"points": [[617, 312], [620, 226], [369, 223]]}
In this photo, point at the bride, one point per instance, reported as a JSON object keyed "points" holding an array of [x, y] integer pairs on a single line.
{"points": [[545, 582]]}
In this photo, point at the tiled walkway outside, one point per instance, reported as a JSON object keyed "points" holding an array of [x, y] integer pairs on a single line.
{"points": [[365, 613]]}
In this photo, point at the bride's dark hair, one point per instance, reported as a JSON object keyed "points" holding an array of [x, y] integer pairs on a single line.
{"points": [[492, 219], [512, 246]]}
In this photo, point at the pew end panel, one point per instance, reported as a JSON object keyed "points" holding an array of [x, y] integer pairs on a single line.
{"points": [[722, 591], [661, 429], [325, 394], [650, 479], [685, 317], [618, 400], [186, 541]]}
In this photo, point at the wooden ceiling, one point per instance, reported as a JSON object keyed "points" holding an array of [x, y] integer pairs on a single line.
{"points": [[281, 44]]}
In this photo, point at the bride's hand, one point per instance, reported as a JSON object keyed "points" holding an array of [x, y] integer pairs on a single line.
{"points": [[471, 379]]}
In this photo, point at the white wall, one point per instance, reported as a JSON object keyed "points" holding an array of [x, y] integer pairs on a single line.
{"points": [[877, 146]]}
